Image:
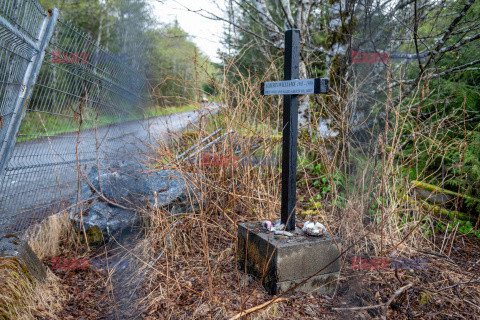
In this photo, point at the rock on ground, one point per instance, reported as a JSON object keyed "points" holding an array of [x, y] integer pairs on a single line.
{"points": [[17, 250], [131, 186]]}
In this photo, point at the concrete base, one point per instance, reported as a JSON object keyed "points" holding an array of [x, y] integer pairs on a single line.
{"points": [[283, 262]]}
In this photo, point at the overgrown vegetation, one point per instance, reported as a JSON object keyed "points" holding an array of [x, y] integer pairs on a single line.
{"points": [[372, 201], [390, 165]]}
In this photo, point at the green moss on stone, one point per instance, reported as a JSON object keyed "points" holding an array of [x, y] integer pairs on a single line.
{"points": [[95, 236]]}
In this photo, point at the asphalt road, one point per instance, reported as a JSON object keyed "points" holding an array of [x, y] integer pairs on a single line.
{"points": [[43, 172]]}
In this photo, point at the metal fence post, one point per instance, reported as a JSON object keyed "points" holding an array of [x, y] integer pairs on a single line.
{"points": [[27, 85]]}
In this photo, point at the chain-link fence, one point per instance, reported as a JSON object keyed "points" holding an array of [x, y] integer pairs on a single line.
{"points": [[62, 97]]}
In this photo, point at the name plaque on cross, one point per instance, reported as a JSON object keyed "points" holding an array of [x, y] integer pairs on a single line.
{"points": [[290, 88], [306, 86]]}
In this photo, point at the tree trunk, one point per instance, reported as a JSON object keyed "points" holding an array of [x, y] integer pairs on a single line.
{"points": [[303, 103], [333, 124]]}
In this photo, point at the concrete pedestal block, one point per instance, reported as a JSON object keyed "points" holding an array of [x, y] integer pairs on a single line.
{"points": [[283, 262]]}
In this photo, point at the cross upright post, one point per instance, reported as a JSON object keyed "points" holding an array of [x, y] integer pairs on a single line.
{"points": [[290, 88], [290, 131]]}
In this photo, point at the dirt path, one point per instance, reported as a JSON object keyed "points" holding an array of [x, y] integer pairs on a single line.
{"points": [[100, 283]]}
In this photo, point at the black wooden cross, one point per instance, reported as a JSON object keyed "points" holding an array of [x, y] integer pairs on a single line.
{"points": [[291, 87]]}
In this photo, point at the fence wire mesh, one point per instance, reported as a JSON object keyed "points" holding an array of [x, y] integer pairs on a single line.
{"points": [[57, 118]]}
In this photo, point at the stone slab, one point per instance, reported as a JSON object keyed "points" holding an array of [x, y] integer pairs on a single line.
{"points": [[13, 247], [279, 260]]}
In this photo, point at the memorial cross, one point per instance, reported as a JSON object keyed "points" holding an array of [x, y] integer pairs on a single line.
{"points": [[290, 88]]}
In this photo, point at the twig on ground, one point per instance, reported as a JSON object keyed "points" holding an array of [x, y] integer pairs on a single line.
{"points": [[382, 305], [257, 308]]}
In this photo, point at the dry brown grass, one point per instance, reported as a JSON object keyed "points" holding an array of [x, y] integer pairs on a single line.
{"points": [[370, 207], [22, 297], [47, 238]]}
